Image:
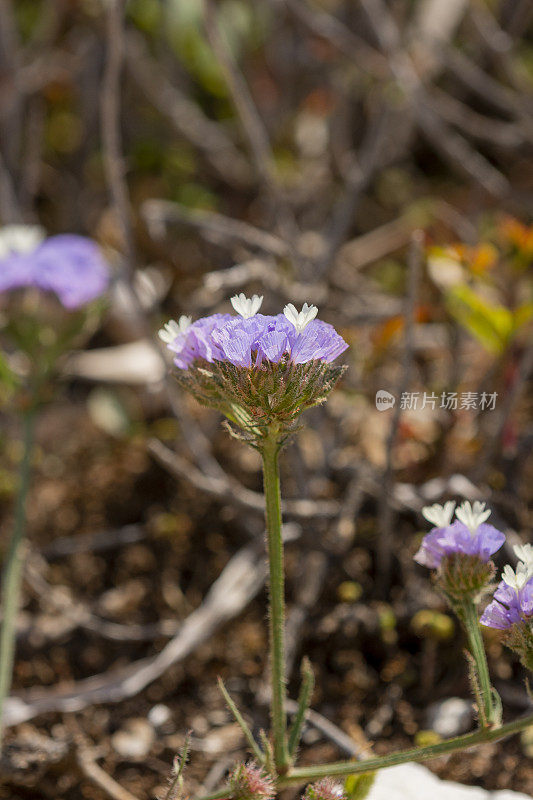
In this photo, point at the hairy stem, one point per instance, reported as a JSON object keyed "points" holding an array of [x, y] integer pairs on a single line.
{"points": [[12, 572], [302, 775], [308, 682], [469, 616], [269, 452]]}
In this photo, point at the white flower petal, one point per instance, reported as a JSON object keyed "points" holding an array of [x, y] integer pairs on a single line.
{"points": [[524, 553], [246, 307], [472, 516], [439, 516], [16, 239], [169, 331], [301, 319], [184, 323]]}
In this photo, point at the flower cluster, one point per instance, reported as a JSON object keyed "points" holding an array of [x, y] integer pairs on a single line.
{"points": [[513, 599], [511, 609], [256, 369], [460, 550], [70, 266], [251, 338], [469, 534]]}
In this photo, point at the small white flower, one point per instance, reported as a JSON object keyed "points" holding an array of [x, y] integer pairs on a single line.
{"points": [[246, 306], [439, 516], [524, 553], [472, 516], [516, 580], [16, 239], [172, 329], [300, 319]]}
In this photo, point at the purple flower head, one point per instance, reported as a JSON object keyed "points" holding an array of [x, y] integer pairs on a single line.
{"points": [[262, 371], [469, 534], [513, 599], [70, 266], [251, 338], [190, 341]]}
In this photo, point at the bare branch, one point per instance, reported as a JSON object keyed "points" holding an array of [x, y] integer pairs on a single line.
{"points": [[110, 123], [186, 116], [230, 490]]}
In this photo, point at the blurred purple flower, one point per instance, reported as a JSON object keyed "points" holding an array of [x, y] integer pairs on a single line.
{"points": [[509, 606], [513, 599], [247, 341], [70, 266], [469, 534]]}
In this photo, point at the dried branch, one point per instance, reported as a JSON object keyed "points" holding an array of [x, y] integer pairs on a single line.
{"points": [[238, 583], [217, 227], [86, 760], [110, 125], [185, 116], [230, 490], [252, 124]]}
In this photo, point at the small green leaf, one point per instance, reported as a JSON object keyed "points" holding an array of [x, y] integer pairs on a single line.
{"points": [[491, 325], [357, 787]]}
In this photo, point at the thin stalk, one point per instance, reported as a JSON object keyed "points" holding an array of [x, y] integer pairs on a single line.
{"points": [[241, 722], [307, 774], [269, 452], [306, 690], [304, 774], [470, 620], [12, 572]]}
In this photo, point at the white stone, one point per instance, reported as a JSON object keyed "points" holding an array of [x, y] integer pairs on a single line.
{"points": [[416, 782], [450, 717]]}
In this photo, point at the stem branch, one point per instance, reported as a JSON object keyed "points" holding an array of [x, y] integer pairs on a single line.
{"points": [[470, 619], [307, 774]]}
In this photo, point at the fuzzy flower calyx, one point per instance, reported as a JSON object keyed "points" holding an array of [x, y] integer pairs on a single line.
{"points": [[246, 306], [250, 782]]}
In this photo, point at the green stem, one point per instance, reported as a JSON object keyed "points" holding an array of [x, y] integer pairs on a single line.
{"points": [[302, 775], [241, 722], [12, 573], [269, 452], [306, 690], [470, 620]]}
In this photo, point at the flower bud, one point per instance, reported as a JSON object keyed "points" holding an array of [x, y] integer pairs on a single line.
{"points": [[325, 789], [250, 782]]}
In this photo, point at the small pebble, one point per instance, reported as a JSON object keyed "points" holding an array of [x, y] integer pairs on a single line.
{"points": [[450, 717], [159, 715], [134, 740]]}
